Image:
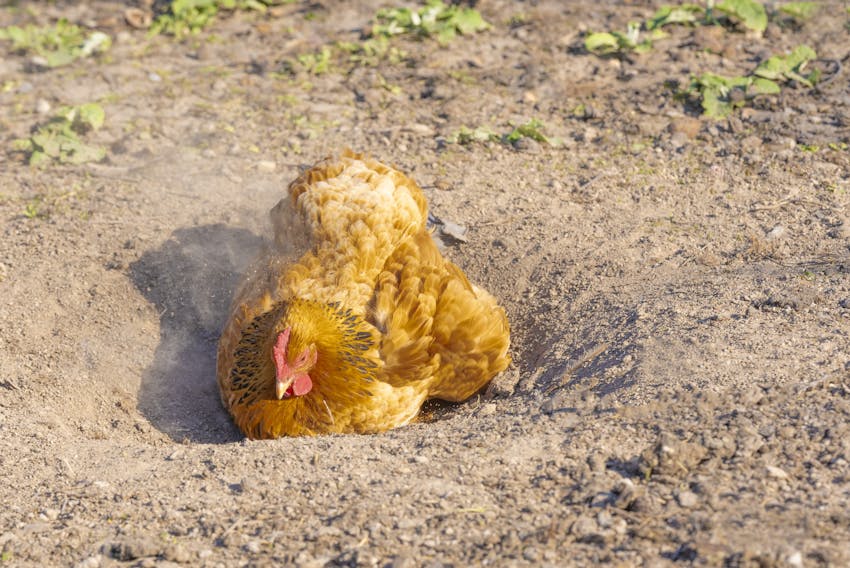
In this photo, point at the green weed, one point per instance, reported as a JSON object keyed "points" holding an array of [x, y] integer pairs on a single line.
{"points": [[750, 13], [56, 45], [532, 129], [189, 17], [800, 10], [720, 96], [59, 139], [435, 19]]}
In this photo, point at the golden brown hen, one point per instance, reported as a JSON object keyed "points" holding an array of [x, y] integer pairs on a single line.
{"points": [[353, 318]]}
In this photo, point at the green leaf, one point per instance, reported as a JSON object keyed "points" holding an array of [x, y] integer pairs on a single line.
{"points": [[602, 42], [684, 14], [713, 106], [39, 158], [469, 21], [76, 152], [48, 142], [22, 145], [467, 136], [800, 10], [765, 86], [787, 67], [750, 12], [531, 129], [715, 91], [92, 115]]}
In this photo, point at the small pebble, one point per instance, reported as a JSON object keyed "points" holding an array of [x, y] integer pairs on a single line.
{"points": [[91, 562], [531, 554], [687, 499], [583, 526], [443, 184], [177, 553], [42, 106], [686, 126], [795, 559], [590, 134], [775, 233], [253, 547], [487, 409], [776, 472], [267, 166]]}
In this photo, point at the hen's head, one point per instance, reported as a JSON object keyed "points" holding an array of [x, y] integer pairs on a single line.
{"points": [[292, 373]]}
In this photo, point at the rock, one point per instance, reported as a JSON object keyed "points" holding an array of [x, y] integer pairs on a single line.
{"points": [[590, 134], [604, 519], [91, 562], [488, 409], [687, 499], [687, 126], [751, 143], [131, 549], [443, 184], [671, 457], [776, 472], [710, 38], [528, 145], [253, 547], [137, 18], [402, 561], [177, 553], [795, 559], [584, 526], [776, 232], [454, 231], [267, 166], [679, 140], [531, 554], [596, 462], [42, 107], [420, 129]]}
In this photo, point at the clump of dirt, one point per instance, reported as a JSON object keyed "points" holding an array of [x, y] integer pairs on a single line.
{"points": [[677, 286]]}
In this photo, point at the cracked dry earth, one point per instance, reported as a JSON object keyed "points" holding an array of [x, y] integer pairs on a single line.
{"points": [[678, 289]]}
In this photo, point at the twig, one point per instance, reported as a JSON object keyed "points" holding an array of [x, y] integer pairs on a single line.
{"points": [[793, 201]]}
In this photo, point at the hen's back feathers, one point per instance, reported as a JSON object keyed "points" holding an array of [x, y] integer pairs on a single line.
{"points": [[396, 322]]}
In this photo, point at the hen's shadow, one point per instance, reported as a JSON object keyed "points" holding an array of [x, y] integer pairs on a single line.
{"points": [[190, 279]]}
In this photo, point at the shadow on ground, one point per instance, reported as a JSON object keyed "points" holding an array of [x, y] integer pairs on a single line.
{"points": [[190, 280]]}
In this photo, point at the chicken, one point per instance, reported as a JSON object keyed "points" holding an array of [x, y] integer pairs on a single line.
{"points": [[352, 318]]}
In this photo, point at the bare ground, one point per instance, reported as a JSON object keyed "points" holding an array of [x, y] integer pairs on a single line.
{"points": [[678, 289]]}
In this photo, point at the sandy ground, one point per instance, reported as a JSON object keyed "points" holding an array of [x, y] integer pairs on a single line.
{"points": [[678, 291]]}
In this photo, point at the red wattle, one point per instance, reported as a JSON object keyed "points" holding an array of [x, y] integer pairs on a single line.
{"points": [[301, 385]]}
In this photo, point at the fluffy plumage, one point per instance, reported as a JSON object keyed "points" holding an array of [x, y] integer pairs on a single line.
{"points": [[352, 318]]}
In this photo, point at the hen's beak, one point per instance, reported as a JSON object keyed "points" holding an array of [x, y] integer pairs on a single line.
{"points": [[280, 387]]}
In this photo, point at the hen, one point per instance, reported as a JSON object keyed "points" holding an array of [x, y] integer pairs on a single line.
{"points": [[352, 318]]}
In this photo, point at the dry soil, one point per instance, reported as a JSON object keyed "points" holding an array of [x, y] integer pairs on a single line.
{"points": [[678, 290]]}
